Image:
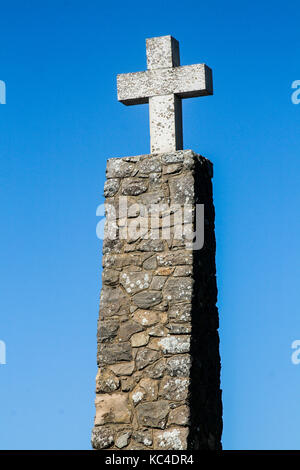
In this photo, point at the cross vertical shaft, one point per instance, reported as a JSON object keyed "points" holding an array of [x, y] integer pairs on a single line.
{"points": [[165, 111]]}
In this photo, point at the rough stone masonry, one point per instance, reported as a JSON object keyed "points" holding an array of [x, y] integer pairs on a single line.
{"points": [[158, 383]]}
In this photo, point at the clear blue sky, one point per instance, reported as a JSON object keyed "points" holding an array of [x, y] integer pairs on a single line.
{"points": [[62, 120]]}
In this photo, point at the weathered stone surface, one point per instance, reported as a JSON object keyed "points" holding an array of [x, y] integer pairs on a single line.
{"points": [[139, 339], [146, 317], [173, 168], [180, 312], [158, 282], [110, 276], [111, 187], [150, 310], [102, 438], [134, 282], [179, 289], [134, 445], [175, 157], [150, 263], [174, 388], [145, 357], [182, 189], [149, 166], [157, 330], [153, 414], [147, 299], [175, 344], [179, 328], [171, 439], [163, 86], [156, 371], [127, 384], [118, 168], [124, 368], [181, 271], [107, 330], [179, 366], [134, 186], [164, 271], [122, 440], [175, 258], [143, 436], [112, 408], [127, 329], [112, 353], [106, 382], [179, 415], [154, 343], [151, 245], [147, 389], [113, 301]]}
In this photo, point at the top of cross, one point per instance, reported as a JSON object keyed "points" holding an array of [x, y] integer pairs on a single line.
{"points": [[163, 85]]}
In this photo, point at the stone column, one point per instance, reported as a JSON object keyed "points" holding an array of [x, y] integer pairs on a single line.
{"points": [[158, 382]]}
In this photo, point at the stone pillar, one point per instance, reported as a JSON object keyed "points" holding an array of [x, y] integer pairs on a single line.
{"points": [[158, 382]]}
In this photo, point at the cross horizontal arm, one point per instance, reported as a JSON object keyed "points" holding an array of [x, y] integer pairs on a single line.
{"points": [[185, 82]]}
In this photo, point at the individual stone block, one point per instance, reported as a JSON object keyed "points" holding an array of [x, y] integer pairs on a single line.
{"points": [[174, 388], [147, 299], [179, 366], [178, 289], [171, 439], [127, 329], [111, 187], [113, 301], [146, 357], [134, 282], [182, 189], [175, 344], [153, 414], [158, 282], [107, 330], [180, 312], [112, 353], [124, 368], [139, 339], [151, 245], [122, 440], [150, 263], [143, 436], [110, 277], [118, 168], [134, 186], [149, 166], [127, 384], [112, 408], [179, 415], [156, 371], [102, 437], [106, 382], [146, 390], [176, 258], [146, 317], [179, 328]]}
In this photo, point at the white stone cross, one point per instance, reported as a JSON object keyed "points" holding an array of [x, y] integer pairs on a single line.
{"points": [[163, 85]]}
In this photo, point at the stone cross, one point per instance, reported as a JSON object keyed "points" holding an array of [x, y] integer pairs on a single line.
{"points": [[163, 85]]}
